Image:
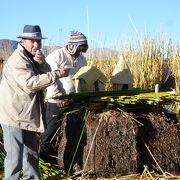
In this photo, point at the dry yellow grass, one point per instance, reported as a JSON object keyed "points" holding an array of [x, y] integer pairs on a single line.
{"points": [[146, 61]]}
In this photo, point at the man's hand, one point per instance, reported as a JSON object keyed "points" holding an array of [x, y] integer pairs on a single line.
{"points": [[64, 72], [61, 103], [39, 57]]}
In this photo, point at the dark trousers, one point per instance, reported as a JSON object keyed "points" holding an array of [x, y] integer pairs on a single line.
{"points": [[53, 120]]}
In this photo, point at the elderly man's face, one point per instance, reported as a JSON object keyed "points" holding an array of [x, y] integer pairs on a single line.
{"points": [[31, 45]]}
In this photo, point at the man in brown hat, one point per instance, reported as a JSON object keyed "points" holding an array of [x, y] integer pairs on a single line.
{"points": [[25, 75]]}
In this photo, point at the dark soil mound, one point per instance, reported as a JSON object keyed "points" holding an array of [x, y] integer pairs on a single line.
{"points": [[113, 143], [161, 136]]}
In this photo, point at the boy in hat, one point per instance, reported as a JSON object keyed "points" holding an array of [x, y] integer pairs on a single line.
{"points": [[24, 76], [69, 56]]}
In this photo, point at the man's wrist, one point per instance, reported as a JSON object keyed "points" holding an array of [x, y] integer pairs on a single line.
{"points": [[57, 73]]}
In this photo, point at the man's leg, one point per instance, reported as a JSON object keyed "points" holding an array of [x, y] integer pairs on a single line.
{"points": [[13, 145], [30, 156], [53, 114]]}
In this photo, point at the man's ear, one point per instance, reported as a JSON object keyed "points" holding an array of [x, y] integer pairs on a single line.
{"points": [[22, 41]]}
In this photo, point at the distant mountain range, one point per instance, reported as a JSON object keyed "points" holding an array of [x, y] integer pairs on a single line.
{"points": [[9, 46], [6, 48], [102, 54]]}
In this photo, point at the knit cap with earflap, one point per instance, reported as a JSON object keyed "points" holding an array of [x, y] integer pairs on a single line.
{"points": [[76, 39]]}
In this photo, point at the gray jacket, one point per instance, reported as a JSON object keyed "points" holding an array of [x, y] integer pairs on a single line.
{"points": [[20, 87]]}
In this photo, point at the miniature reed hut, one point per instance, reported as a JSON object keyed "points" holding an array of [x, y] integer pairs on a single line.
{"points": [[121, 76], [89, 79]]}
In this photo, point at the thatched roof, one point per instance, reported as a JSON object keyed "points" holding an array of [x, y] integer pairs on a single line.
{"points": [[90, 74]]}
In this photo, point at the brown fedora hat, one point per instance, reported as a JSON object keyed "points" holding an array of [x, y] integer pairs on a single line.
{"points": [[32, 32]]}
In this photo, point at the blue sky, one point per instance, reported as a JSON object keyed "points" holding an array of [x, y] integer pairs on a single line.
{"points": [[106, 23]]}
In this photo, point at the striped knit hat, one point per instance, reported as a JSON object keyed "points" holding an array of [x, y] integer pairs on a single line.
{"points": [[76, 39]]}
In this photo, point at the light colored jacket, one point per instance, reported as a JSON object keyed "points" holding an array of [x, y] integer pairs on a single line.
{"points": [[61, 58], [19, 91]]}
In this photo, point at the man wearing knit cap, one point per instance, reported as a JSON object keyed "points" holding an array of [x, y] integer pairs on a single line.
{"points": [[70, 57]]}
